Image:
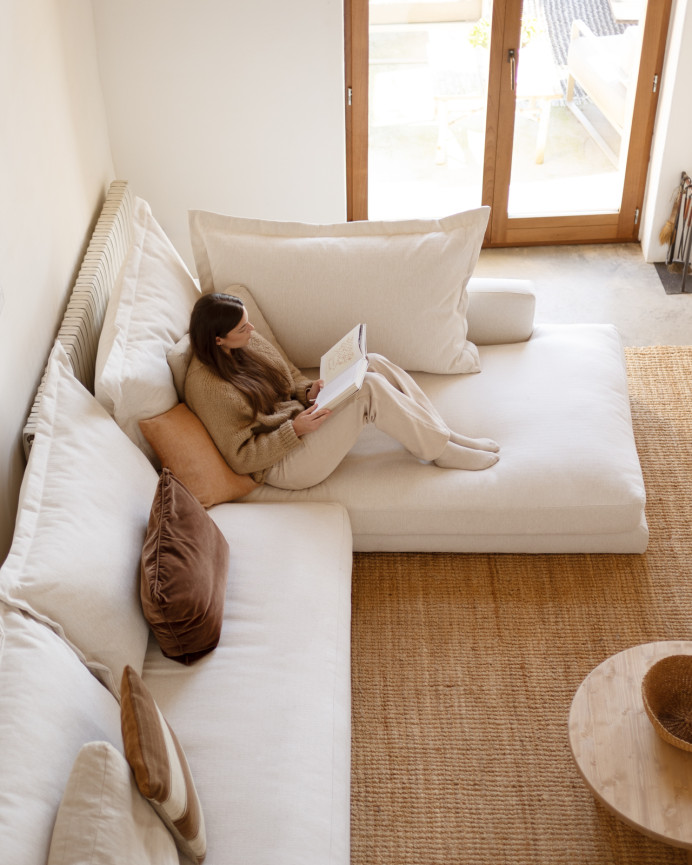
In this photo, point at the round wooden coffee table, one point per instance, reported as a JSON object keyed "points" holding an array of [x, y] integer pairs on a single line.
{"points": [[640, 778]]}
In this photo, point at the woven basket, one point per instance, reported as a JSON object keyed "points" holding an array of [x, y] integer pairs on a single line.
{"points": [[667, 695]]}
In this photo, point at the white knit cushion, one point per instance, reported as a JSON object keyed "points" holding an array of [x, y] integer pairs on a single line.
{"points": [[103, 818], [405, 279], [50, 705], [147, 313], [83, 513]]}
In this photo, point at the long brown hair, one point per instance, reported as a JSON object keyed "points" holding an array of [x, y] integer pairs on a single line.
{"points": [[215, 315]]}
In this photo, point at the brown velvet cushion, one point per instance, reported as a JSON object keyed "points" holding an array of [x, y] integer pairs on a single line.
{"points": [[183, 574], [183, 445]]}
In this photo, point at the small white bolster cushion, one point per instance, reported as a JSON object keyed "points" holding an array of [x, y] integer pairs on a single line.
{"points": [[500, 311]]}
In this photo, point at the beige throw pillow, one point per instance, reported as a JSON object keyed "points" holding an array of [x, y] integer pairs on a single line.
{"points": [[103, 819], [405, 279]]}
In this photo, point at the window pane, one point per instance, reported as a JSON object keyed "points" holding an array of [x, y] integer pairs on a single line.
{"points": [[576, 81], [428, 94]]}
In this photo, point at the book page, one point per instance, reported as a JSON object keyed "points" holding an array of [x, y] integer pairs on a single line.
{"points": [[346, 383], [342, 355]]}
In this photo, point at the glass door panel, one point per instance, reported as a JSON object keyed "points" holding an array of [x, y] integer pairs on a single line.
{"points": [[542, 109], [428, 91], [576, 77]]}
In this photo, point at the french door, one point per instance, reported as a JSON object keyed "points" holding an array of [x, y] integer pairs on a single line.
{"points": [[542, 109]]}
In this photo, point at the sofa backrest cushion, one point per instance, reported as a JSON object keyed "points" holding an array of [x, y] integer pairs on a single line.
{"points": [[50, 705], [83, 512], [103, 819], [405, 279], [149, 310]]}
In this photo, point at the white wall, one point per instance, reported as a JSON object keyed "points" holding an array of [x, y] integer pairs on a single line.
{"points": [[224, 105], [55, 164], [218, 104], [672, 149]]}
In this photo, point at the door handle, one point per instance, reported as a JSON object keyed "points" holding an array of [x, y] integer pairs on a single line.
{"points": [[512, 58]]}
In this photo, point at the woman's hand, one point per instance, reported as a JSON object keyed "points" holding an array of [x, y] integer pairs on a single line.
{"points": [[310, 420], [315, 389]]}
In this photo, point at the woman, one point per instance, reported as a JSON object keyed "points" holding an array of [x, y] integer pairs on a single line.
{"points": [[258, 407]]}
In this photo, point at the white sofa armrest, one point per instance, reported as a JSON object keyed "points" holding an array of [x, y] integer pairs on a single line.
{"points": [[500, 310]]}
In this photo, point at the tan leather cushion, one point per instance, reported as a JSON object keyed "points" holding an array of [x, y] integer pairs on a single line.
{"points": [[184, 570], [183, 445], [160, 767]]}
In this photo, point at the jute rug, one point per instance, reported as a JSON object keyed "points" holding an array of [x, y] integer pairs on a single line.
{"points": [[464, 669]]}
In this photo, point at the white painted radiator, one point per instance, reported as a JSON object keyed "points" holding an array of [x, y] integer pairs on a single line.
{"points": [[81, 325]]}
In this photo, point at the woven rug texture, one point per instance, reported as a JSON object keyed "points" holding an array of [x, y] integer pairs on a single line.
{"points": [[465, 666]]}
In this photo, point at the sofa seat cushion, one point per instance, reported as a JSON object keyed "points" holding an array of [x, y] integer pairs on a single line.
{"points": [[50, 706], [265, 719], [568, 479]]}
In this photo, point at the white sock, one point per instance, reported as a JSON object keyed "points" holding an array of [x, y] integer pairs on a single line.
{"points": [[455, 456], [475, 444]]}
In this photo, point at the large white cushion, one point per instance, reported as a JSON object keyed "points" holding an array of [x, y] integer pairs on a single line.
{"points": [[103, 819], [405, 279], [568, 479], [50, 705], [83, 511], [265, 719], [149, 310]]}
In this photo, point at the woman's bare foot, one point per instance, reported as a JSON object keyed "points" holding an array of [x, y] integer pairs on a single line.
{"points": [[456, 456]]}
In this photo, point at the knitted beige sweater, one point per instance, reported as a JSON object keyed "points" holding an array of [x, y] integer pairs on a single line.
{"points": [[249, 445]]}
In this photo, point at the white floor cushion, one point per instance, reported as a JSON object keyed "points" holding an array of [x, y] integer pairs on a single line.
{"points": [[568, 479]]}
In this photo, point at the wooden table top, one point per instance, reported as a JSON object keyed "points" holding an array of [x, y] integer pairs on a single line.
{"points": [[643, 780]]}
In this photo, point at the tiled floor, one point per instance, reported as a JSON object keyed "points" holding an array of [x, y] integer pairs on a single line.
{"points": [[598, 283]]}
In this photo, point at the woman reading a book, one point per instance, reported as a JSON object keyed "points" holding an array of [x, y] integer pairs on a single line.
{"points": [[260, 410]]}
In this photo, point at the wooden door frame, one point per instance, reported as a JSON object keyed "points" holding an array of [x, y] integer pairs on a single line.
{"points": [[503, 231], [608, 227], [357, 76]]}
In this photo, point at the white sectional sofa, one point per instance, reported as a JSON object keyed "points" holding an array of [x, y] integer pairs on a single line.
{"points": [[264, 719], [263, 716]]}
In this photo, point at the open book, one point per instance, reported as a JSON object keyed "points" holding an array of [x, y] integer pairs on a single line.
{"points": [[343, 368]]}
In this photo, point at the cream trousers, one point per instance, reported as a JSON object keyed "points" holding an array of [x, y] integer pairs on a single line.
{"points": [[391, 400]]}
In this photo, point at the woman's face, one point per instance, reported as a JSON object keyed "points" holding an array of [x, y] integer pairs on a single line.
{"points": [[238, 337]]}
